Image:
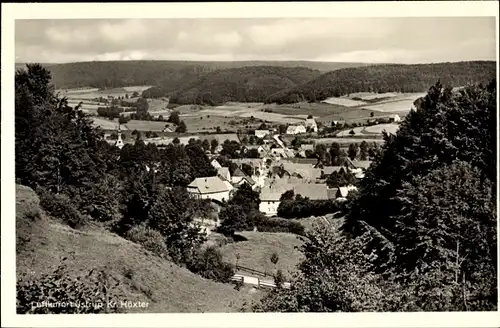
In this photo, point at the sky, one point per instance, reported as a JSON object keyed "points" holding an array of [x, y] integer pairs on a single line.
{"points": [[371, 40]]}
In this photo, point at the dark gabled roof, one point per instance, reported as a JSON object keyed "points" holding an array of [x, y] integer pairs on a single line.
{"points": [[239, 173]]}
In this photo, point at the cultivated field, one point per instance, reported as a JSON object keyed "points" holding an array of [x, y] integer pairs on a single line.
{"points": [[401, 102], [343, 101], [346, 141], [370, 130]]}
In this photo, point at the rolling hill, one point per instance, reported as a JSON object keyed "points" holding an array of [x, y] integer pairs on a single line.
{"points": [[387, 78], [245, 84], [167, 74], [42, 242]]}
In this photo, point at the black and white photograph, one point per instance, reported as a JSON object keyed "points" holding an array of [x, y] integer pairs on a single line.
{"points": [[251, 165]]}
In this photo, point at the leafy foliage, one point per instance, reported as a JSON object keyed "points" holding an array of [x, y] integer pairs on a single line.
{"points": [[301, 207], [209, 264], [61, 207], [89, 293]]}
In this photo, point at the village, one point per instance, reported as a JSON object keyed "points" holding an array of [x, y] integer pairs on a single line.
{"points": [[274, 168]]}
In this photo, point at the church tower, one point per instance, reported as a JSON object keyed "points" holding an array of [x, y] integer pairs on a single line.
{"points": [[119, 142]]}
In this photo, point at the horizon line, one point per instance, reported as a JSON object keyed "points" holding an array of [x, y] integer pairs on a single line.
{"points": [[257, 60]]}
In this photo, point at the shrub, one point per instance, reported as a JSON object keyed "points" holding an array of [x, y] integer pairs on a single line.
{"points": [[88, 293], [208, 263], [303, 207], [280, 225], [151, 239], [60, 206]]}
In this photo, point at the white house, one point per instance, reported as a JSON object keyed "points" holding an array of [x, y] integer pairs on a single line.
{"points": [[215, 164], [395, 118], [311, 124], [209, 188], [261, 133], [296, 129], [269, 202]]}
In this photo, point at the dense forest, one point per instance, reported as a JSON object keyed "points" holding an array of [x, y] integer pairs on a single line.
{"points": [[387, 78], [168, 75], [247, 84]]}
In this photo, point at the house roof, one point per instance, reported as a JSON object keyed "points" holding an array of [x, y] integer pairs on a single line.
{"points": [[208, 185], [297, 160], [248, 179], [228, 185], [239, 173], [327, 170], [270, 195], [224, 171], [307, 147], [313, 191], [362, 164], [256, 162], [307, 171]]}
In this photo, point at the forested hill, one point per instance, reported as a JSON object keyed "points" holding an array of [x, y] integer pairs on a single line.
{"points": [[167, 74], [387, 78], [246, 84]]}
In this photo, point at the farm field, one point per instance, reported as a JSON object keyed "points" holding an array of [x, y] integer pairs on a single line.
{"points": [[366, 96], [91, 93], [346, 141], [343, 101], [209, 123], [402, 102], [255, 252], [145, 125], [370, 130], [106, 124]]}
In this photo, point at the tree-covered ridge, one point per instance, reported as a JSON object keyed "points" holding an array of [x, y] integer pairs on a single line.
{"points": [[387, 78], [247, 84], [168, 75]]}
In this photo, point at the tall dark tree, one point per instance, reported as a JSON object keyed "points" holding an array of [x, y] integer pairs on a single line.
{"points": [[335, 153], [174, 118], [353, 151]]}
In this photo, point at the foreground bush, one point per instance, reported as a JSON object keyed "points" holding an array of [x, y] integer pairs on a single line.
{"points": [[57, 293], [60, 206], [208, 263], [151, 239]]}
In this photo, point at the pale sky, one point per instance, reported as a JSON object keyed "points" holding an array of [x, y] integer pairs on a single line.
{"points": [[377, 40]]}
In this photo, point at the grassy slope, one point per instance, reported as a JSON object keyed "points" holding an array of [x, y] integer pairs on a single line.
{"points": [[143, 276], [256, 251]]}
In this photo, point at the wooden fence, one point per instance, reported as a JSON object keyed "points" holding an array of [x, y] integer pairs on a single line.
{"points": [[257, 282]]}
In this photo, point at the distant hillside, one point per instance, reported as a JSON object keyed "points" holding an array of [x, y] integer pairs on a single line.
{"points": [[387, 78], [167, 74], [246, 84]]}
